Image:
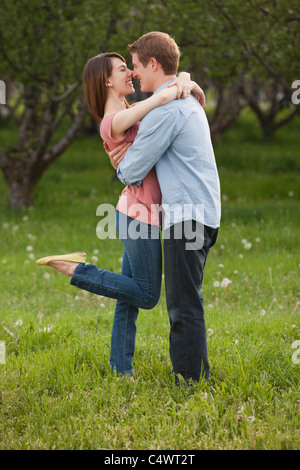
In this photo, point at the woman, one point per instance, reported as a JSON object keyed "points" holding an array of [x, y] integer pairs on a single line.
{"points": [[107, 81]]}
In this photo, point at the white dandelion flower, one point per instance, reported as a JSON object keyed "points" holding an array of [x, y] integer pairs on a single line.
{"points": [[31, 237], [48, 329], [225, 282]]}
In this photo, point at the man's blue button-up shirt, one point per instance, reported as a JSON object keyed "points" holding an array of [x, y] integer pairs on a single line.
{"points": [[175, 137]]}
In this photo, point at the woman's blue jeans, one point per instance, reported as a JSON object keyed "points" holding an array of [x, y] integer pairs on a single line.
{"points": [[138, 286]]}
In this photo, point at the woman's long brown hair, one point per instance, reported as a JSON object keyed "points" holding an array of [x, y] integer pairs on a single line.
{"points": [[97, 70]]}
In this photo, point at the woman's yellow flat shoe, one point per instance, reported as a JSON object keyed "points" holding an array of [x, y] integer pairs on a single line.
{"points": [[77, 257]]}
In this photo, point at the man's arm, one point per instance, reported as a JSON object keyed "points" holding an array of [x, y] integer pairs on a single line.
{"points": [[155, 135]]}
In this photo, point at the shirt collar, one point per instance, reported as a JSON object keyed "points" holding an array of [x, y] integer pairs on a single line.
{"points": [[164, 85]]}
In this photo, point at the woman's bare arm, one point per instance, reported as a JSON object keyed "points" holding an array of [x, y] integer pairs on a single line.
{"points": [[128, 117], [180, 88]]}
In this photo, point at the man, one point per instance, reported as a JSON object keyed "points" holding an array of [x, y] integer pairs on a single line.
{"points": [[176, 139]]}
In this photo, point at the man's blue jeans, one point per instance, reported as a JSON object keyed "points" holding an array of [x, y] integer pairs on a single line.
{"points": [[138, 286], [183, 279]]}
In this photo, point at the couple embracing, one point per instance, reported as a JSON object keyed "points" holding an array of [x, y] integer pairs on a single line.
{"points": [[162, 151]]}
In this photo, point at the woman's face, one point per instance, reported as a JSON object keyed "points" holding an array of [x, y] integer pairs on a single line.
{"points": [[120, 79]]}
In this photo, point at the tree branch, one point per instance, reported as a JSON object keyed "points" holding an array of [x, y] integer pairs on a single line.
{"points": [[67, 93], [45, 132], [247, 46], [288, 118], [69, 136], [4, 158]]}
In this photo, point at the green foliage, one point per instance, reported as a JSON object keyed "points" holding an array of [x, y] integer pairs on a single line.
{"points": [[54, 38], [45, 45], [220, 39]]}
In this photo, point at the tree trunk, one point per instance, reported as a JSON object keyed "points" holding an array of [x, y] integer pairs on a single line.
{"points": [[22, 173], [267, 101], [21, 195], [227, 110], [17, 173]]}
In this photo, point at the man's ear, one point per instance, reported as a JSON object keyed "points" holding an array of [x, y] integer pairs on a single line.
{"points": [[153, 64]]}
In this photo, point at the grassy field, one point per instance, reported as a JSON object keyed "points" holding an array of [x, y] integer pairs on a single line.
{"points": [[56, 389]]}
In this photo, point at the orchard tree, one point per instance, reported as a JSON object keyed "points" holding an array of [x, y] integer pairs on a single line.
{"points": [[44, 45], [229, 46], [269, 34]]}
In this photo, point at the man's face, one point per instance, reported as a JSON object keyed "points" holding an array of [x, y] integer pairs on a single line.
{"points": [[143, 74]]}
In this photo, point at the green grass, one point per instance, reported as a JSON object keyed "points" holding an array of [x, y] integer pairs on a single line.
{"points": [[56, 389]]}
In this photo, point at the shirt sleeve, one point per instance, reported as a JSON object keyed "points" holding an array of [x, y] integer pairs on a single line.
{"points": [[156, 133]]}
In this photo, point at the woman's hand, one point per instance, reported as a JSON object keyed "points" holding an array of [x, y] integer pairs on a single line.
{"points": [[116, 155], [185, 86]]}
